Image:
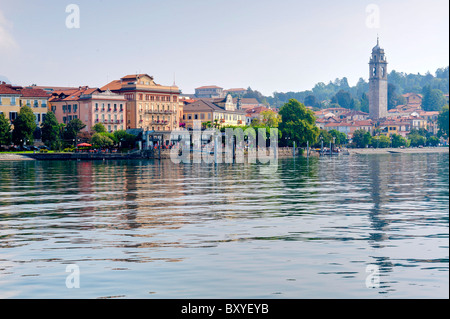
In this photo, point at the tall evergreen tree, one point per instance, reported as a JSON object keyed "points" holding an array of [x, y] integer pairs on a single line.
{"points": [[5, 130], [24, 127], [51, 131]]}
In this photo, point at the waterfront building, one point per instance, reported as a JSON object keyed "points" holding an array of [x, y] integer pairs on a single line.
{"points": [[210, 91], [247, 103], [9, 101], [37, 100], [378, 84], [255, 113], [149, 106], [353, 115], [236, 92], [413, 100], [12, 98], [91, 106], [222, 112]]}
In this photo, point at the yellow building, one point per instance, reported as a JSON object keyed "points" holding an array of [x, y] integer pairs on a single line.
{"points": [[150, 106], [37, 100], [12, 98], [9, 101]]}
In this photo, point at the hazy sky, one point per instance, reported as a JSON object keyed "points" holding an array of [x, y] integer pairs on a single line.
{"points": [[283, 45]]}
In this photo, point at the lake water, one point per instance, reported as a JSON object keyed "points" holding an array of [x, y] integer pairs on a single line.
{"points": [[317, 228]]}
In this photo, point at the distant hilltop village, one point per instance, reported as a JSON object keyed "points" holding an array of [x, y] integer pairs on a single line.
{"points": [[138, 102]]}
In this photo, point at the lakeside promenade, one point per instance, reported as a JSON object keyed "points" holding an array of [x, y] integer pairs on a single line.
{"points": [[70, 156]]}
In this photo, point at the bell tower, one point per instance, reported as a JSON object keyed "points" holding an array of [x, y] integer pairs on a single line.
{"points": [[378, 83]]}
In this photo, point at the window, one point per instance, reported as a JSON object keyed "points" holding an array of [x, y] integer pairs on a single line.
{"points": [[184, 117], [64, 119], [209, 116], [13, 101], [36, 103], [189, 117], [202, 116], [12, 116], [69, 118], [195, 116], [0, 101], [75, 107]]}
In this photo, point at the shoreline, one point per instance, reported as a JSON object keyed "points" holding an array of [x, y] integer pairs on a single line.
{"points": [[363, 151], [425, 150]]}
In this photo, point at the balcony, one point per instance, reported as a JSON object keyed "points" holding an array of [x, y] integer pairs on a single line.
{"points": [[159, 112]]}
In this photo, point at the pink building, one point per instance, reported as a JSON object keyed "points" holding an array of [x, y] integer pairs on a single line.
{"points": [[91, 106]]}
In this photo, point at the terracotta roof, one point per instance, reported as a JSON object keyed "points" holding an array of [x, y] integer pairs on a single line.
{"points": [[411, 94], [363, 123], [112, 86], [7, 89], [355, 112], [135, 76], [27, 92], [341, 124], [209, 87], [204, 105], [258, 109]]}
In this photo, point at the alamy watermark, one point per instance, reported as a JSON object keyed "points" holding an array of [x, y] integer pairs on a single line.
{"points": [[73, 279], [73, 19], [373, 279], [373, 16], [234, 145]]}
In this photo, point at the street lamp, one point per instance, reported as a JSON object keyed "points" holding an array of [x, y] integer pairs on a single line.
{"points": [[321, 145]]}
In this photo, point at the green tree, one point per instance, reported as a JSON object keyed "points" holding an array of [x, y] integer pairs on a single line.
{"points": [[394, 99], [381, 141], [361, 138], [398, 141], [51, 131], [443, 122], [270, 118], [340, 138], [100, 140], [72, 129], [324, 136], [364, 103], [24, 127], [416, 139], [432, 141], [433, 99], [343, 98], [125, 139], [99, 128], [298, 124], [5, 130]]}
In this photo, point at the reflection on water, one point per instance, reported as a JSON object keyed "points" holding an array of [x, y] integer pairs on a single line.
{"points": [[141, 229]]}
